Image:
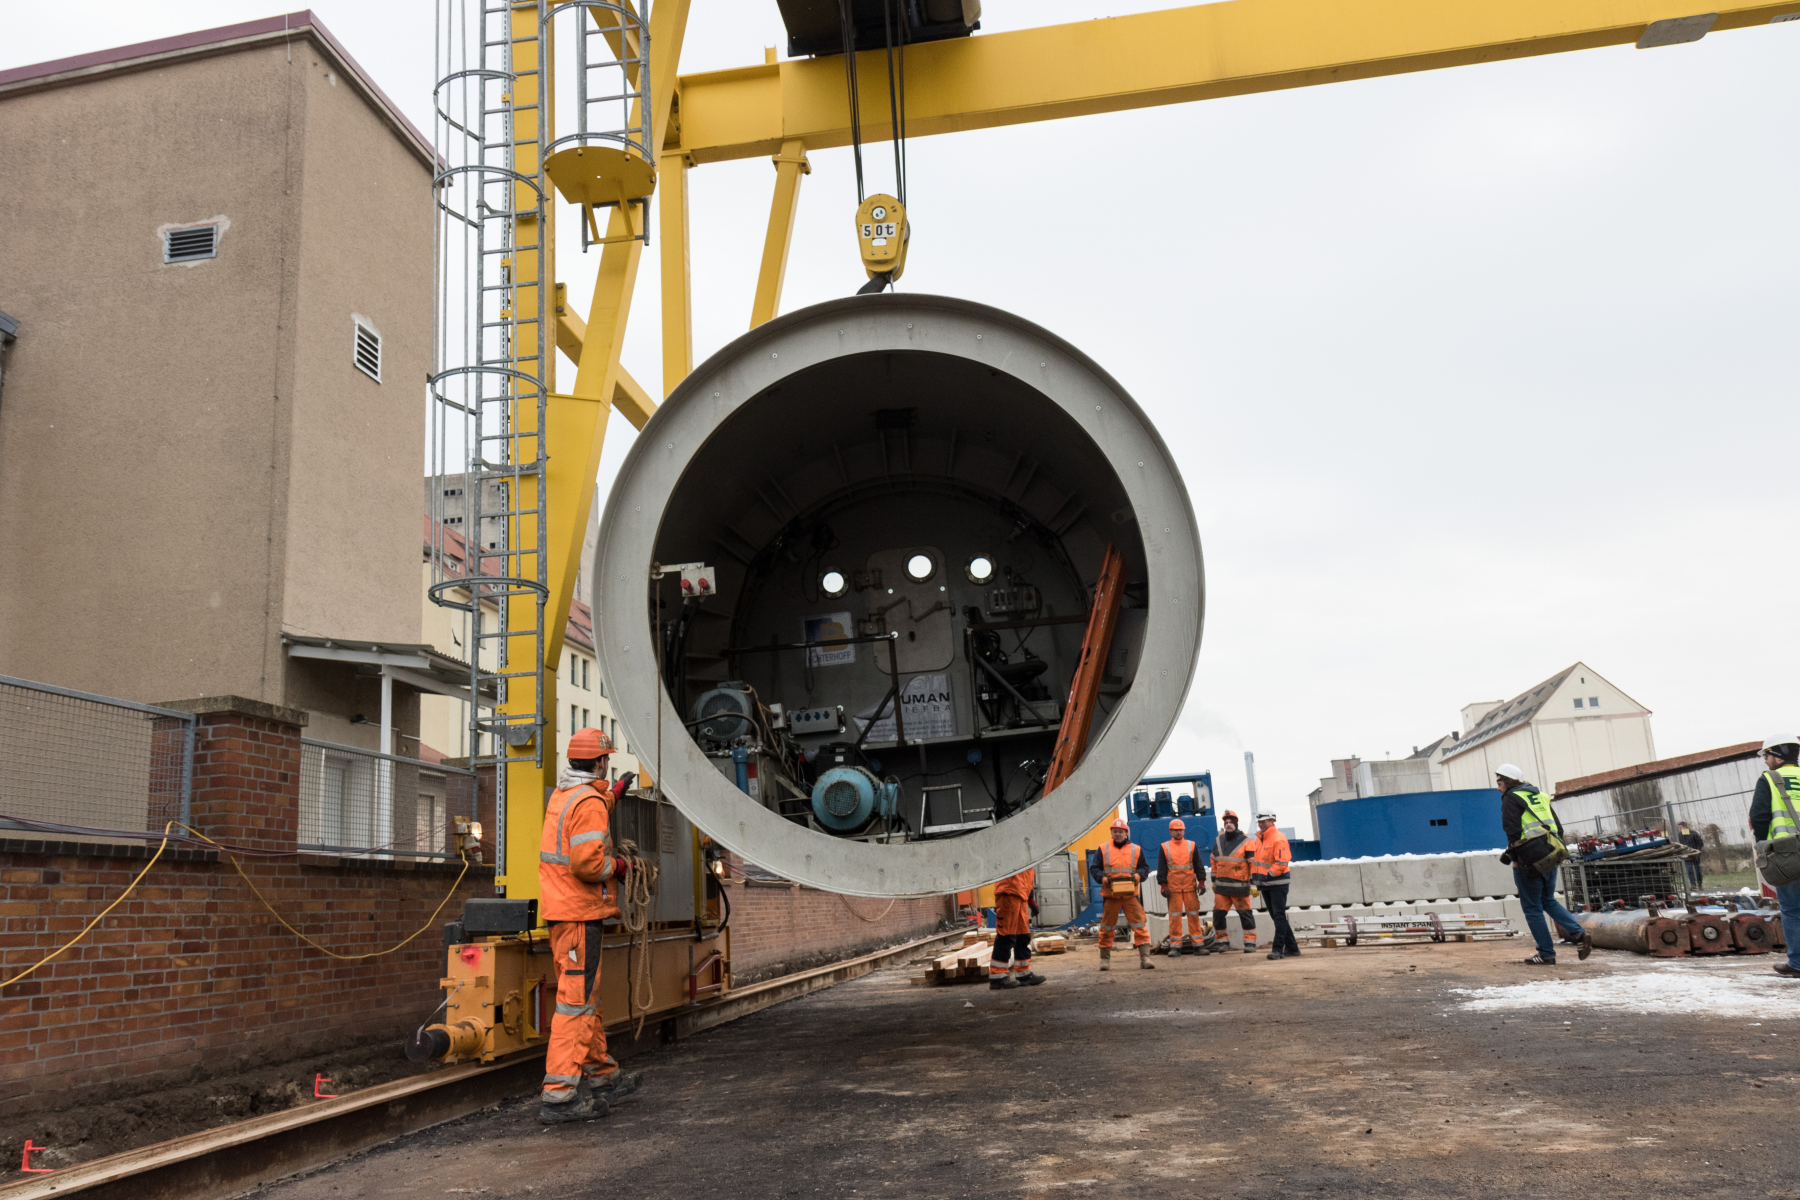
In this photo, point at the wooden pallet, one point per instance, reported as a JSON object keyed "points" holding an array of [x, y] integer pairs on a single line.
{"points": [[963, 964]]}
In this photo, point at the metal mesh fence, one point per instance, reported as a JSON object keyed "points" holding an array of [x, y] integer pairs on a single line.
{"points": [[90, 765], [362, 803], [1721, 823]]}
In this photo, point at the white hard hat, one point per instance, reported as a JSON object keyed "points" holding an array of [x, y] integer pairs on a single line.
{"points": [[1509, 770], [1265, 816], [1781, 739]]}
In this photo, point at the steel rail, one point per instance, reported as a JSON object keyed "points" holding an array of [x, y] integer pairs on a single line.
{"points": [[231, 1159]]}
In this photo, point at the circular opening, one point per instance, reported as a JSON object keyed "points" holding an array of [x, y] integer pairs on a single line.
{"points": [[833, 583], [920, 567], [980, 569]]}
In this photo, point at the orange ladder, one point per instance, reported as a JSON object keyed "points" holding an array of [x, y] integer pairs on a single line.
{"points": [[1084, 688]]}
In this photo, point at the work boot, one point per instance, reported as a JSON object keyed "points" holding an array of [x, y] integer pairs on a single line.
{"points": [[1187, 946], [1144, 959], [1293, 951], [1276, 954], [1585, 948], [617, 1086], [1030, 979], [1249, 947], [582, 1108], [1106, 958], [1002, 983], [1786, 972]]}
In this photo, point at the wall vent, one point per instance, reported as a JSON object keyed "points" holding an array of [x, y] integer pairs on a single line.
{"points": [[368, 351], [190, 244]]}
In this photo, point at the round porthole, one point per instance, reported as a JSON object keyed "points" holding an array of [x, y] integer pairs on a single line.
{"points": [[920, 567], [833, 583], [980, 569]]}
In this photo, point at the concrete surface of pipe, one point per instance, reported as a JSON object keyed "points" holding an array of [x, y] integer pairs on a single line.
{"points": [[857, 466], [1638, 930]]}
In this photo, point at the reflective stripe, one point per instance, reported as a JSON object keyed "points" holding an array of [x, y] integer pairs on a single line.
{"points": [[582, 839], [553, 858], [571, 1080], [574, 1010], [1537, 819], [586, 791]]}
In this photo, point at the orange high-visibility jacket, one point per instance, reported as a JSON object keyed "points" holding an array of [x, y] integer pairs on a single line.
{"points": [[1179, 866], [1231, 863], [1121, 862], [1269, 867], [1019, 885], [575, 857]]}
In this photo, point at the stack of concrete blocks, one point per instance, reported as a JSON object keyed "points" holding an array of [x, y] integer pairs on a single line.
{"points": [[1325, 892]]}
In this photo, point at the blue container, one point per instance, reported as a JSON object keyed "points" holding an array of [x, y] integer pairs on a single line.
{"points": [[1165, 804], [1412, 823]]}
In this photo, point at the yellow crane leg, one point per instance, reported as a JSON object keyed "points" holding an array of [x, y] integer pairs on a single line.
{"points": [[677, 271], [790, 167], [1173, 56]]}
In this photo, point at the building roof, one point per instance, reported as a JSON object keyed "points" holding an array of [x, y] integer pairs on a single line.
{"points": [[1509, 716], [1428, 751], [1662, 766], [205, 43]]}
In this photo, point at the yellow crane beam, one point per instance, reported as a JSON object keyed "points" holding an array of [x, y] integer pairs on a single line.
{"points": [[1168, 57]]}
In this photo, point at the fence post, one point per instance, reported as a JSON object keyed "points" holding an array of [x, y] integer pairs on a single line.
{"points": [[187, 769]]}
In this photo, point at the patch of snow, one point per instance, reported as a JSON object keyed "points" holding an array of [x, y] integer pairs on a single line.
{"points": [[1743, 989], [1373, 858]]}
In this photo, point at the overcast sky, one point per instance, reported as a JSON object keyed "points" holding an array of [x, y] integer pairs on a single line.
{"points": [[1471, 374]]}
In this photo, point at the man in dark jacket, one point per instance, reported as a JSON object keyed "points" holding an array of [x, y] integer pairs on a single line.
{"points": [[1774, 816], [1526, 815], [1685, 834]]}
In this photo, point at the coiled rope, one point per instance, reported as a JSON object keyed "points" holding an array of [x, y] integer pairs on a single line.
{"points": [[636, 900]]}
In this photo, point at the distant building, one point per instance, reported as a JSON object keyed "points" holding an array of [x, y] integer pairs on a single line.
{"points": [[1355, 778], [1710, 790], [1573, 723]]}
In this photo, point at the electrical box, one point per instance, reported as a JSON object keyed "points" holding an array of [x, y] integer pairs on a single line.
{"points": [[1023, 598], [698, 579], [803, 721]]}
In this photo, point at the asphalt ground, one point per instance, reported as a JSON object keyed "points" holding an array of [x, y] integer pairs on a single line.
{"points": [[1361, 1071]]}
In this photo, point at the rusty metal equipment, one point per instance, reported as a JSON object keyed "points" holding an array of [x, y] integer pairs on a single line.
{"points": [[1645, 931], [1708, 932]]}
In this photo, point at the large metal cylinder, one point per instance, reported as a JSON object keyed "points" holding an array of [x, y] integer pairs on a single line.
{"points": [[1637, 931], [940, 480]]}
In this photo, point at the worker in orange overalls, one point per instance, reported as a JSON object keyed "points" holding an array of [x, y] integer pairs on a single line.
{"points": [[1013, 909], [1121, 870], [1179, 871], [1232, 855], [577, 874], [1269, 872]]}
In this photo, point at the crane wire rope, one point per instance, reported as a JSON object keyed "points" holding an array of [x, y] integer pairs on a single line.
{"points": [[896, 102], [226, 850], [848, 32]]}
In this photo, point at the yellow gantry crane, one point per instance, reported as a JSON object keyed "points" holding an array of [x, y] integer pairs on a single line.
{"points": [[785, 110]]}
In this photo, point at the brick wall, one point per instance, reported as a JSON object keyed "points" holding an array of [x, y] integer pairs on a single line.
{"points": [[192, 976], [778, 929]]}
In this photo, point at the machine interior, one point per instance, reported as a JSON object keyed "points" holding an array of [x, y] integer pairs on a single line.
{"points": [[955, 516]]}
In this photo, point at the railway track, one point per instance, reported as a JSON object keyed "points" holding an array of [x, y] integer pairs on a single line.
{"points": [[231, 1159]]}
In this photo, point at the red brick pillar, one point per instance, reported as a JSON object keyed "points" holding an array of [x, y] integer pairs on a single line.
{"points": [[246, 771]]}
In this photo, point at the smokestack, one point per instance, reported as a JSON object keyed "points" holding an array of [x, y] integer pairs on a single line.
{"points": [[1250, 776]]}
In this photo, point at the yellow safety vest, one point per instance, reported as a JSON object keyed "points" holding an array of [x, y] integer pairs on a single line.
{"points": [[1784, 793]]}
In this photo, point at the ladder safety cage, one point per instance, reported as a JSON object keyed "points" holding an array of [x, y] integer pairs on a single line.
{"points": [[491, 377], [606, 160]]}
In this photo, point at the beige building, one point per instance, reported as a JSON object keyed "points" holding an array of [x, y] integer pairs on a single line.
{"points": [[1573, 724], [218, 253]]}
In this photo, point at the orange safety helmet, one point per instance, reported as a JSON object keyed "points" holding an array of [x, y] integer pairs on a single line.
{"points": [[1177, 826], [1119, 823], [1228, 813], [589, 743]]}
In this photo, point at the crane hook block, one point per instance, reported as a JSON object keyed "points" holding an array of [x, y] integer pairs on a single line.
{"points": [[882, 233]]}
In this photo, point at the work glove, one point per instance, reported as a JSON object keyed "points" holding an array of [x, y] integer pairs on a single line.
{"points": [[621, 867], [618, 789], [1034, 908], [1506, 858], [1165, 893]]}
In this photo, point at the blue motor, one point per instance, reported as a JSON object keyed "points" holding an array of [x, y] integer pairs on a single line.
{"points": [[1142, 806], [1165, 804], [725, 712], [845, 799], [1186, 805]]}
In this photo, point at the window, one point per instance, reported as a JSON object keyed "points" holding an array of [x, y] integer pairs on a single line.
{"points": [[1441, 821], [367, 351], [603, 689], [584, 676], [1578, 702], [1593, 702], [191, 244], [572, 678], [574, 713], [585, 719]]}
